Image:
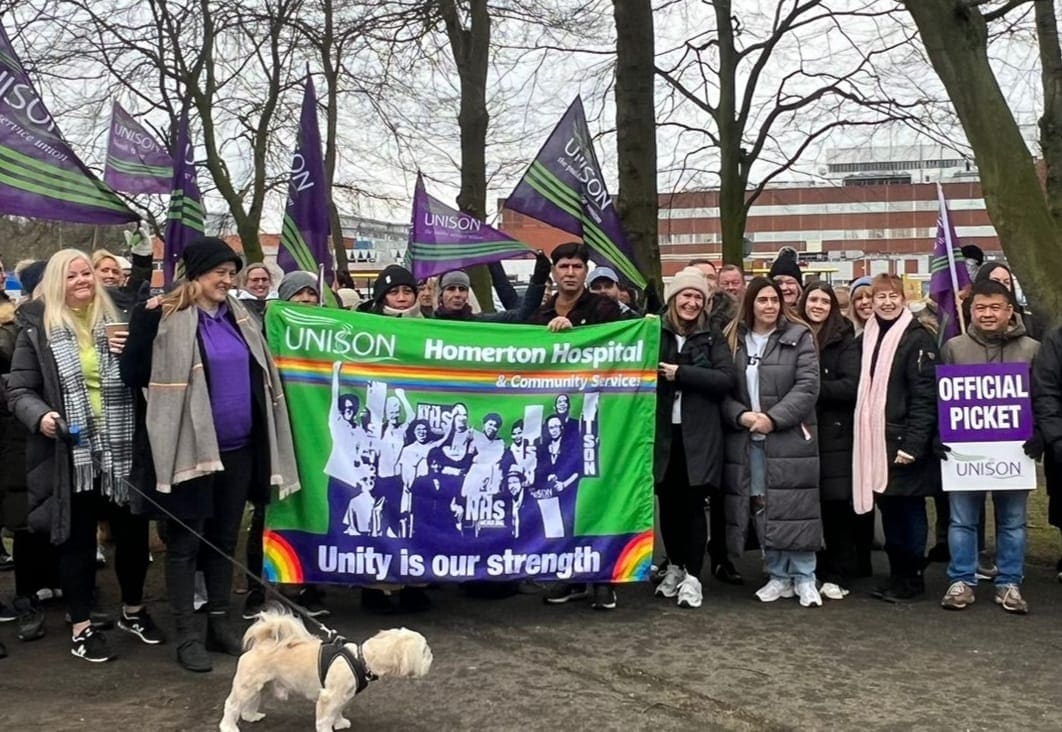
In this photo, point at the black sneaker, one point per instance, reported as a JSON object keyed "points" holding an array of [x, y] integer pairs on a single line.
{"points": [[726, 573], [310, 599], [30, 619], [91, 645], [142, 626], [7, 615], [564, 592], [604, 597], [254, 603]]}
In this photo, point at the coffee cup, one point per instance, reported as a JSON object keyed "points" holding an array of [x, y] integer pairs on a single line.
{"points": [[116, 329]]}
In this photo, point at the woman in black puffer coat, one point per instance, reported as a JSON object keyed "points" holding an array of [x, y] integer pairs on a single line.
{"points": [[841, 560], [696, 373]]}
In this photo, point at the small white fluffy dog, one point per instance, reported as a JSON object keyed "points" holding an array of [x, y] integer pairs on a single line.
{"points": [[279, 649]]}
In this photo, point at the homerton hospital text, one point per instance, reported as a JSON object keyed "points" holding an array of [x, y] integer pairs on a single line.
{"points": [[436, 349]]}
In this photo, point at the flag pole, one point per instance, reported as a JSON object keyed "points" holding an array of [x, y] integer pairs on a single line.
{"points": [[945, 217]]}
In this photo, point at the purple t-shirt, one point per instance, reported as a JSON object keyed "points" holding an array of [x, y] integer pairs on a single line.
{"points": [[228, 368]]}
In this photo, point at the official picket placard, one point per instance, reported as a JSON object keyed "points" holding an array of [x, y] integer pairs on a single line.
{"points": [[985, 415], [441, 451]]}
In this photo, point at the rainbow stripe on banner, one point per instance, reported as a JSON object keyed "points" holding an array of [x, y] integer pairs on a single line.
{"points": [[281, 563], [486, 381], [635, 560]]}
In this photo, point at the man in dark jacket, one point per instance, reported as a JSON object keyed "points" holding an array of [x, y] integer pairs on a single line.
{"points": [[993, 337], [574, 305]]}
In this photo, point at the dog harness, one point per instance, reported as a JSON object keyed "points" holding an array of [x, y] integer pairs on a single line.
{"points": [[337, 648]]}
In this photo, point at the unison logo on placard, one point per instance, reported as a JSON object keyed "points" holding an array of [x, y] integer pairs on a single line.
{"points": [[982, 466]]}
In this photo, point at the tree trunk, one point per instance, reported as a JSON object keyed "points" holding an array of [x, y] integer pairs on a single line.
{"points": [[1051, 121], [638, 202], [331, 75], [955, 37], [733, 174], [471, 52]]}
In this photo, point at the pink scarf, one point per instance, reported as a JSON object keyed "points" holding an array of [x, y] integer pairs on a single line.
{"points": [[870, 466]]}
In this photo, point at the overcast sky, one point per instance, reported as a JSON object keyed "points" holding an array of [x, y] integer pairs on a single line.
{"points": [[529, 90]]}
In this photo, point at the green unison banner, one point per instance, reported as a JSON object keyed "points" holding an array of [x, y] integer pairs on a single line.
{"points": [[439, 451]]}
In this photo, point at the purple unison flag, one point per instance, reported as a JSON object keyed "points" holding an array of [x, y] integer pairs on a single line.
{"points": [[40, 176], [564, 188], [443, 238], [136, 162], [184, 220], [948, 274], [304, 237]]}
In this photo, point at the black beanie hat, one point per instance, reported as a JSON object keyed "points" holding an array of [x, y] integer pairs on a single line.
{"points": [[392, 276], [786, 264], [206, 253], [31, 276], [974, 252]]}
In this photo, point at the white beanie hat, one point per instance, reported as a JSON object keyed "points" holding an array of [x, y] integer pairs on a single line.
{"points": [[687, 278]]}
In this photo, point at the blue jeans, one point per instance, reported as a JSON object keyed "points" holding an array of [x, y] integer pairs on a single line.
{"points": [[966, 510], [786, 565]]}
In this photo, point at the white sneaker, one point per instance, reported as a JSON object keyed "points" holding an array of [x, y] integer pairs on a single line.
{"points": [[775, 589], [689, 592], [101, 558], [833, 591], [809, 596], [669, 586]]}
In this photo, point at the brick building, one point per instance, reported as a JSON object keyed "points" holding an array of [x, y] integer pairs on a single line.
{"points": [[844, 231]]}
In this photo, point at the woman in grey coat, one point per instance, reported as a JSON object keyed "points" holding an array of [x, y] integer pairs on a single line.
{"points": [[771, 469]]}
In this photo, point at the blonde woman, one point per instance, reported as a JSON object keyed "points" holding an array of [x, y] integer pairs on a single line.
{"points": [[65, 387], [215, 433]]}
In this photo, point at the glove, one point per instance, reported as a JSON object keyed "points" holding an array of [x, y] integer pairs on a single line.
{"points": [[940, 450], [543, 267], [1034, 446], [139, 241]]}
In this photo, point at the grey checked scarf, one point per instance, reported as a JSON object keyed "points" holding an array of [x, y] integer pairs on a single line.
{"points": [[106, 446]]}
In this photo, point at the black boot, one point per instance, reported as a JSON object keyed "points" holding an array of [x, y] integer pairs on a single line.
{"points": [[222, 635], [191, 653]]}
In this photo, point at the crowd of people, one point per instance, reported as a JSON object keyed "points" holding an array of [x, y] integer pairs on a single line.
{"points": [[788, 412]]}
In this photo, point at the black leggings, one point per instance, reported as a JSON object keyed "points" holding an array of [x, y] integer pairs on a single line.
{"points": [[838, 560], [683, 525], [255, 552], [36, 563], [229, 493], [77, 555]]}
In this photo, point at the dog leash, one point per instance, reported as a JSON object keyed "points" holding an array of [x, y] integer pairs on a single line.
{"points": [[272, 594]]}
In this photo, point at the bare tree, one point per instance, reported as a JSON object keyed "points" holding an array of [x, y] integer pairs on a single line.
{"points": [[764, 99], [1026, 214], [230, 62], [636, 132]]}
